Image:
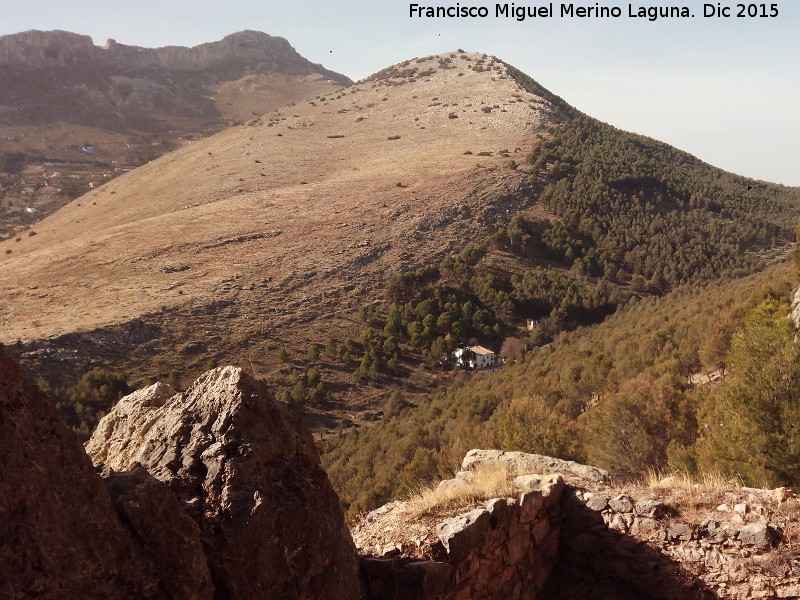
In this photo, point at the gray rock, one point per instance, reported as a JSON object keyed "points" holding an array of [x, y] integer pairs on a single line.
{"points": [[549, 486], [708, 528], [597, 502], [757, 535], [647, 507], [462, 533], [622, 503], [527, 483], [679, 531]]}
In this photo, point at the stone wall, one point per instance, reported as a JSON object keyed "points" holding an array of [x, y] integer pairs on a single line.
{"points": [[504, 548], [648, 548], [615, 542]]}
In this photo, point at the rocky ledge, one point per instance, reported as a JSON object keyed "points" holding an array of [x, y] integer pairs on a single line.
{"points": [[590, 539]]}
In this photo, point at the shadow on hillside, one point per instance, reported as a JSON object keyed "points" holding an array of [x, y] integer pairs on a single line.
{"points": [[597, 563]]}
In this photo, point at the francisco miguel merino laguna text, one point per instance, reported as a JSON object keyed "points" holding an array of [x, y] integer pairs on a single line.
{"points": [[570, 10]]}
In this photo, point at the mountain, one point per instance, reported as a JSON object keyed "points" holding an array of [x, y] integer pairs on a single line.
{"points": [[57, 76], [290, 216], [78, 114], [442, 199], [341, 248]]}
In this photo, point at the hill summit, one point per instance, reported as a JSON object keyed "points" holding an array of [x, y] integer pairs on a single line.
{"points": [[293, 213]]}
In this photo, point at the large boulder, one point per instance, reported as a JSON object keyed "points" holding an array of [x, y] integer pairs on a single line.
{"points": [[60, 536], [245, 468], [522, 463]]}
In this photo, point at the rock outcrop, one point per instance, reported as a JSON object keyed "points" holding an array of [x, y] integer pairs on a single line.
{"points": [[520, 463], [247, 472], [213, 493], [60, 536]]}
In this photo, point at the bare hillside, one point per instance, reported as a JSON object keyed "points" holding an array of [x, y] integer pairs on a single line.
{"points": [[318, 201]]}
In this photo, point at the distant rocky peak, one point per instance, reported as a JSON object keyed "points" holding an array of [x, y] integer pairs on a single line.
{"points": [[251, 49], [43, 49]]}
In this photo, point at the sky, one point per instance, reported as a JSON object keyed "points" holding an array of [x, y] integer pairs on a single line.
{"points": [[724, 89]]}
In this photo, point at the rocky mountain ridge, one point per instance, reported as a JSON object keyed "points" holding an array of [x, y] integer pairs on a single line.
{"points": [[58, 76], [248, 49]]}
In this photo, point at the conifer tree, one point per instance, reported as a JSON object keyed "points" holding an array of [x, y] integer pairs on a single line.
{"points": [[749, 421]]}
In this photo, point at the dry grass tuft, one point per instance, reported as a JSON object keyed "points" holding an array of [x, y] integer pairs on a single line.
{"points": [[682, 481], [482, 484]]}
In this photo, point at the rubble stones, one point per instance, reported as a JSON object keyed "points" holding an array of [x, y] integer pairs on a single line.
{"points": [[622, 504], [758, 535], [679, 531], [647, 507], [597, 502]]}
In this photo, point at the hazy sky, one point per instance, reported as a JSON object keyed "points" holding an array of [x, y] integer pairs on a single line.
{"points": [[724, 89]]}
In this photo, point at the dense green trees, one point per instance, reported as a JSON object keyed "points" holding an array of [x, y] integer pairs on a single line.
{"points": [[614, 394], [638, 207], [85, 403], [750, 422]]}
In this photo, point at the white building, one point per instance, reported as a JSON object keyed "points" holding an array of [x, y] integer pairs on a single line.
{"points": [[476, 357]]}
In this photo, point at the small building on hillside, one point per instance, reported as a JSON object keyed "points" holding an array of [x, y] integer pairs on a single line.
{"points": [[477, 358], [532, 323]]}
